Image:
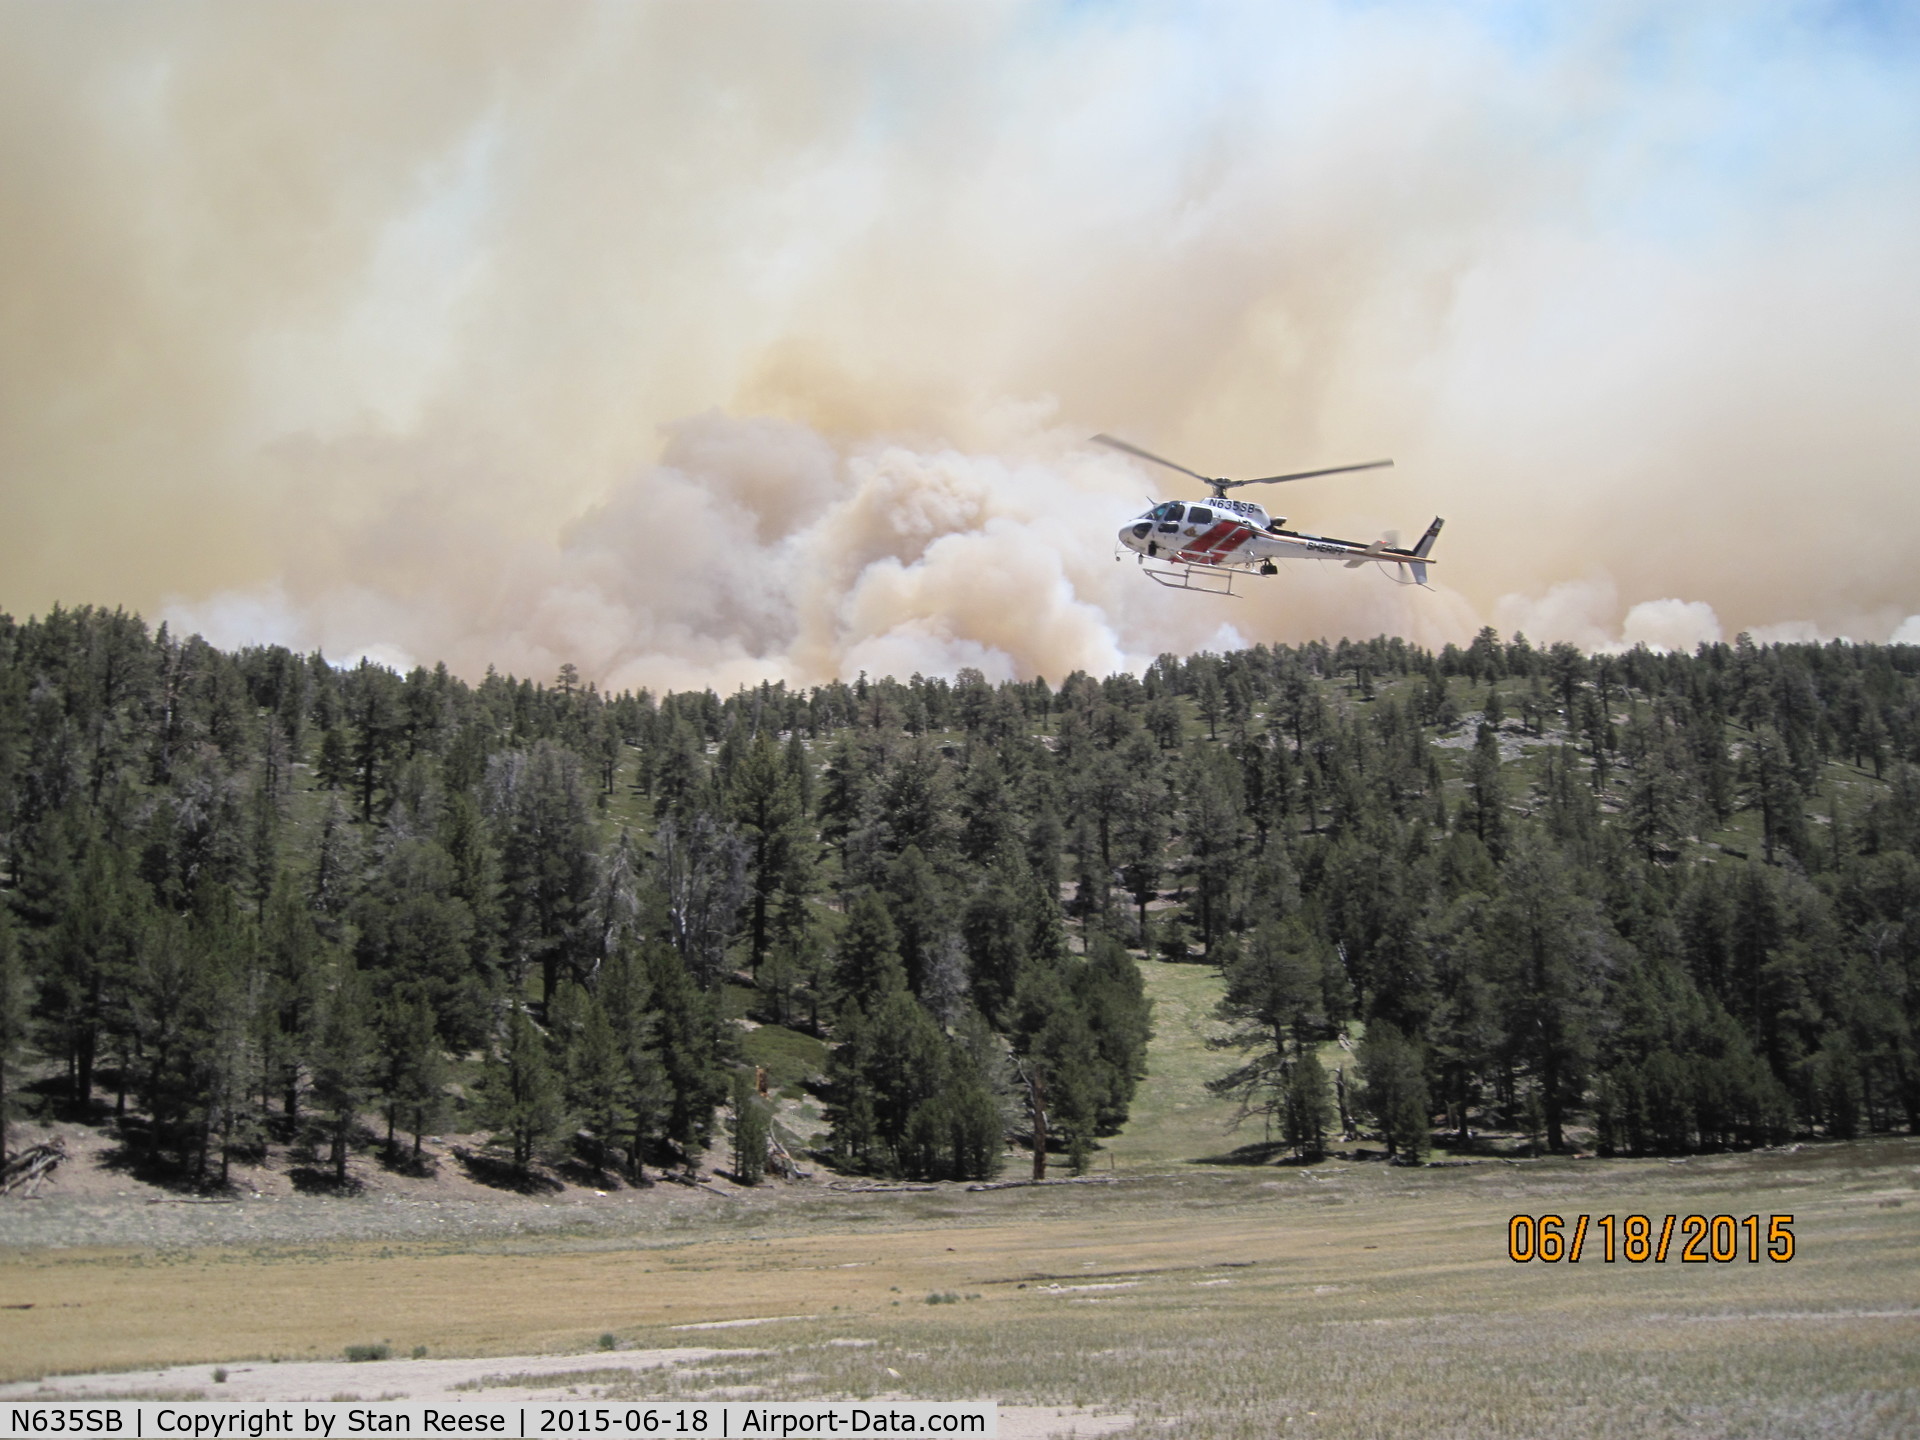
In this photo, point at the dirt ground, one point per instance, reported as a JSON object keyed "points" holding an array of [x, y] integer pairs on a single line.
{"points": [[490, 1380], [1342, 1300], [90, 1199], [314, 1380]]}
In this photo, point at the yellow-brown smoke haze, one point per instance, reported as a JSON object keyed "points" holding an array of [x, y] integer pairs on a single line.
{"points": [[698, 344]]}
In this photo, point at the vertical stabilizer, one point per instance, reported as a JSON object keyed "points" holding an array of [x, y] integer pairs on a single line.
{"points": [[1425, 547]]}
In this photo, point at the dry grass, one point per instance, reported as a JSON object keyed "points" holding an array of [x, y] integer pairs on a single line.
{"points": [[1343, 1300], [1355, 1299]]}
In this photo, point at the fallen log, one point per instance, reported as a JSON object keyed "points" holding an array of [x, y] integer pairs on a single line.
{"points": [[846, 1188], [782, 1163], [28, 1168]]}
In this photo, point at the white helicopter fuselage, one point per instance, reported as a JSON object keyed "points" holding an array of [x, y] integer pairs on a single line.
{"points": [[1237, 534]]}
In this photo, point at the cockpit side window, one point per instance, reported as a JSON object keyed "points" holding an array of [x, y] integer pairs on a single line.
{"points": [[1171, 510]]}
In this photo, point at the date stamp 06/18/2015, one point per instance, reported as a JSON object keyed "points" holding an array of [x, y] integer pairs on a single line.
{"points": [[1637, 1239]]}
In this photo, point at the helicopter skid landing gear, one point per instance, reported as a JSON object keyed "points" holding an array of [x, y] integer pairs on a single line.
{"points": [[1193, 577]]}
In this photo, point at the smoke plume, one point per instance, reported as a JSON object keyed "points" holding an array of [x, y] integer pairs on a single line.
{"points": [[697, 345]]}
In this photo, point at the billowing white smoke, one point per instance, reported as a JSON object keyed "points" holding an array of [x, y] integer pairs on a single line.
{"points": [[756, 549], [361, 326], [1587, 613]]}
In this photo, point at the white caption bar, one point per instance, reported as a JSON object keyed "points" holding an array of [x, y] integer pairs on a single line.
{"points": [[343, 1420]]}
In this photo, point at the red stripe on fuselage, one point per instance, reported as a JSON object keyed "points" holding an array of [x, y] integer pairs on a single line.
{"points": [[1199, 550], [1239, 537]]}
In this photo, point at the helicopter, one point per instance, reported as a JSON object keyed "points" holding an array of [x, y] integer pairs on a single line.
{"points": [[1207, 545]]}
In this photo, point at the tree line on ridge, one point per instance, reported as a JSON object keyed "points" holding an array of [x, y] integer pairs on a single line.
{"points": [[1647, 903]]}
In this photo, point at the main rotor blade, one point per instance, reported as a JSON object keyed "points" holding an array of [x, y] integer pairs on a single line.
{"points": [[1306, 474], [1149, 455]]}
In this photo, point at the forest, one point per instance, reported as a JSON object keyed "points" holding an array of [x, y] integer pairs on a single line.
{"points": [[1635, 903]]}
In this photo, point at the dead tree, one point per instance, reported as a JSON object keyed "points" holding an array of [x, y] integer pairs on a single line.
{"points": [[30, 1167]]}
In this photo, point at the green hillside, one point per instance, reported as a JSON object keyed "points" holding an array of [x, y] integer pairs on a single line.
{"points": [[266, 910]]}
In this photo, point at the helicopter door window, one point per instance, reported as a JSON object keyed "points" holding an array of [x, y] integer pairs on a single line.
{"points": [[1170, 515], [1199, 515]]}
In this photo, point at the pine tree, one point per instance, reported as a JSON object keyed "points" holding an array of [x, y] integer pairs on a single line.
{"points": [[917, 905], [1058, 1049], [1163, 721], [336, 868], [866, 967], [416, 933], [333, 767], [996, 945], [1658, 806], [749, 1125], [988, 823], [1485, 810], [970, 1114], [521, 1097], [679, 775], [227, 996], [372, 711], [1113, 997], [1140, 837], [462, 833], [800, 766], [624, 994], [1214, 823], [701, 869], [796, 972], [692, 1048], [598, 1082], [548, 862], [345, 1063], [14, 1020], [414, 1083], [765, 803], [1210, 697], [854, 1134], [1305, 1110], [1769, 785], [293, 959], [896, 1109], [1394, 1090], [1275, 999], [86, 960], [1547, 947], [161, 1010]]}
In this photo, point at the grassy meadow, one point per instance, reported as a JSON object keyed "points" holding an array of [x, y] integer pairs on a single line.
{"points": [[1346, 1299]]}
